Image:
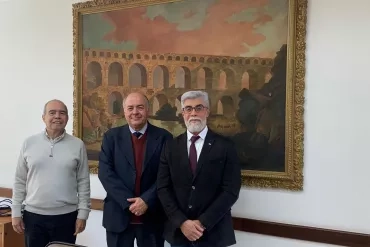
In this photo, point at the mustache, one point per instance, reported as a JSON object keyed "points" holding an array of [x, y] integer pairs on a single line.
{"points": [[194, 118]]}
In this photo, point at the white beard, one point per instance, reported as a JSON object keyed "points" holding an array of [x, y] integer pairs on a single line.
{"points": [[195, 127]]}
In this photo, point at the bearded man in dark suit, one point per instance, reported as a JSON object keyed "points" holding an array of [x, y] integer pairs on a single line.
{"points": [[199, 180]]}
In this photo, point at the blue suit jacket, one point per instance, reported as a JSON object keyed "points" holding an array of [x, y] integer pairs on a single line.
{"points": [[117, 174]]}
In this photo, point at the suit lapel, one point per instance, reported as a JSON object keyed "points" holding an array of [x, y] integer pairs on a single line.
{"points": [[152, 142], [204, 154], [126, 146]]}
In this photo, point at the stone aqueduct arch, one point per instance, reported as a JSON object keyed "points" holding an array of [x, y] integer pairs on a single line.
{"points": [[174, 74]]}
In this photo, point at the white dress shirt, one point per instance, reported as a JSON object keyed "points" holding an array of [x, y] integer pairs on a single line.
{"points": [[199, 143], [142, 131]]}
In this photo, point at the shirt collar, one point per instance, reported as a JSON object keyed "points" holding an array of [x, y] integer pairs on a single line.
{"points": [[58, 138], [202, 134], [142, 131]]}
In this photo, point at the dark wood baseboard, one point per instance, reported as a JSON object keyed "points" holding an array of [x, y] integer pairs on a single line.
{"points": [[306, 233]]}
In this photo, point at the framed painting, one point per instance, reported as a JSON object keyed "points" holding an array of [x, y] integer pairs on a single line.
{"points": [[249, 55]]}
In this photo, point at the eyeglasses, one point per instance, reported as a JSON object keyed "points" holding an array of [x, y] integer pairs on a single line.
{"points": [[198, 108]]}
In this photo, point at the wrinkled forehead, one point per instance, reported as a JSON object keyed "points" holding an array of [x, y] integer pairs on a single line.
{"points": [[194, 102], [134, 101], [56, 106]]}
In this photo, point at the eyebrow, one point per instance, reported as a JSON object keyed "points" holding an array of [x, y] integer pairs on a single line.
{"points": [[58, 110], [135, 105], [193, 106]]}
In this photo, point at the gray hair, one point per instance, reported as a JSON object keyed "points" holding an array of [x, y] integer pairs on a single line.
{"points": [[54, 100], [146, 99], [195, 95]]}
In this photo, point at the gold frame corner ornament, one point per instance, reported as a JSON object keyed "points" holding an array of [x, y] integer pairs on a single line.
{"points": [[292, 178]]}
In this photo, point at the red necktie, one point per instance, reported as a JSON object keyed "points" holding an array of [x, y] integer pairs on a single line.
{"points": [[193, 154]]}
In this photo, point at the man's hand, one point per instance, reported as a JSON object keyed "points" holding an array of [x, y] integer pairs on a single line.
{"points": [[138, 206], [18, 225], [80, 226], [199, 224], [192, 230]]}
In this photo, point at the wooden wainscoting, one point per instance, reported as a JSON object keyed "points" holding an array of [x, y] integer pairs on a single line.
{"points": [[306, 233], [5, 192]]}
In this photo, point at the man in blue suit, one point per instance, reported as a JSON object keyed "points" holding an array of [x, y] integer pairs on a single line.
{"points": [[128, 165]]}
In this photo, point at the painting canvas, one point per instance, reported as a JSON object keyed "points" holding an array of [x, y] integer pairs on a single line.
{"points": [[241, 52]]}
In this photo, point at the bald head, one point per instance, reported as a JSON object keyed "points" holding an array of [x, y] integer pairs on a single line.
{"points": [[136, 109], [55, 116], [54, 101], [136, 95]]}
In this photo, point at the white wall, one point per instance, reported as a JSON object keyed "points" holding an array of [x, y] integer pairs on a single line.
{"points": [[36, 65]]}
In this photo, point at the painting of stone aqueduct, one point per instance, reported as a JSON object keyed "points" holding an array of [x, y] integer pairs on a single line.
{"points": [[234, 50], [235, 85], [164, 78]]}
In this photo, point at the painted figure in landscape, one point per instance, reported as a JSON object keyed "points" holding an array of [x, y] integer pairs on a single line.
{"points": [[234, 50]]}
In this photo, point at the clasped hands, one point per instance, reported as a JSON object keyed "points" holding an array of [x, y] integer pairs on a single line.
{"points": [[192, 229], [138, 206]]}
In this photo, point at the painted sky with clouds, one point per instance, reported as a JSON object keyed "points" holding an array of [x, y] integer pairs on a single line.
{"points": [[206, 27]]}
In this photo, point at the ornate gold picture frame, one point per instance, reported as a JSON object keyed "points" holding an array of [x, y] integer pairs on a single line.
{"points": [[248, 55]]}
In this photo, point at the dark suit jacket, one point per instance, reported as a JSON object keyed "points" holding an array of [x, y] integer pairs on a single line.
{"points": [[208, 196], [117, 175]]}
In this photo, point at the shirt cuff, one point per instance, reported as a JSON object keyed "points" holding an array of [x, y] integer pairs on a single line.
{"points": [[16, 211], [83, 214]]}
